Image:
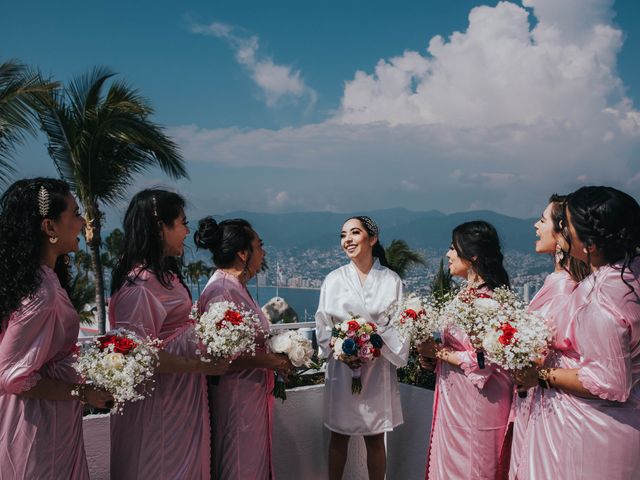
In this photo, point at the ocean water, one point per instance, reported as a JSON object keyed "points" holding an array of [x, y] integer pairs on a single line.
{"points": [[303, 300]]}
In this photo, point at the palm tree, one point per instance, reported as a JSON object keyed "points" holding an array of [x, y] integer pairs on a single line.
{"points": [[401, 258], [20, 92], [98, 143], [81, 288], [113, 248], [442, 284], [194, 272]]}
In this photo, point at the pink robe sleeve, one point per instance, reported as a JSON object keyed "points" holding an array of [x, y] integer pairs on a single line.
{"points": [[469, 365], [137, 309], [605, 353], [24, 347]]}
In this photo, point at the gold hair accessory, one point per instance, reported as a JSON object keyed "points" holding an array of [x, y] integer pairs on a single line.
{"points": [[43, 201]]}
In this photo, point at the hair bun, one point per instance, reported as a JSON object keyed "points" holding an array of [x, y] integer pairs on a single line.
{"points": [[206, 235]]}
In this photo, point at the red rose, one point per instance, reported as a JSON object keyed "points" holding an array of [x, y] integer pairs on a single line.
{"points": [[376, 352], [105, 341], [124, 345], [373, 326], [410, 313], [233, 317], [508, 332], [353, 325], [482, 295]]}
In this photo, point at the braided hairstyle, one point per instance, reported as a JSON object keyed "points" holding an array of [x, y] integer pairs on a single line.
{"points": [[142, 243], [609, 220], [21, 239], [373, 231], [225, 239], [576, 268], [478, 243]]}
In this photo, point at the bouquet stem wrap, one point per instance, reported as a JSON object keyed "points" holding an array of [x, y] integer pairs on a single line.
{"points": [[279, 388], [480, 357], [356, 382]]}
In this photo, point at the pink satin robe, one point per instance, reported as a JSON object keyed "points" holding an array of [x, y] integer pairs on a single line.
{"points": [[242, 401], [470, 415], [552, 297], [599, 438], [164, 436], [40, 438]]}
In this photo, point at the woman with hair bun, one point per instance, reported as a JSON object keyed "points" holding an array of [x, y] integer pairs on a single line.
{"points": [[40, 416], [553, 239], [592, 396], [368, 288], [241, 401], [472, 403], [166, 435]]}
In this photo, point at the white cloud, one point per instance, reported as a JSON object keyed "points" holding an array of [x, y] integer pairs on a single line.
{"points": [[277, 82], [499, 116]]}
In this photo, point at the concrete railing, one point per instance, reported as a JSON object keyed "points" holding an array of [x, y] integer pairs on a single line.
{"points": [[300, 441]]}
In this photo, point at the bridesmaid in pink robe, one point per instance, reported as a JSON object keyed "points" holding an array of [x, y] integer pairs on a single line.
{"points": [[164, 436], [592, 393], [242, 400], [554, 294], [472, 404], [40, 418]]}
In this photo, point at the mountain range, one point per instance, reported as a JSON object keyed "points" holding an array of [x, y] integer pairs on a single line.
{"points": [[428, 229]]}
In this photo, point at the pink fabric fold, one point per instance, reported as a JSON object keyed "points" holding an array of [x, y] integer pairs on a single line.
{"points": [[40, 438], [242, 402], [470, 415], [164, 436]]}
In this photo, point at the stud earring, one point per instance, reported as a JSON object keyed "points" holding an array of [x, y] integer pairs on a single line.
{"points": [[53, 240]]}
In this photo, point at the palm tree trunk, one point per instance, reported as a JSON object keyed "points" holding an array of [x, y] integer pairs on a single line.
{"points": [[92, 234]]}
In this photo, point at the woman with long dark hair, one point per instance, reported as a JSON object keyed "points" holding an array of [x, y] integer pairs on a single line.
{"points": [[472, 402], [367, 288], [40, 397], [241, 401], [553, 239], [166, 435], [592, 389]]}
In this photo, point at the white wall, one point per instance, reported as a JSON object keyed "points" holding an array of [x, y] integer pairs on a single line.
{"points": [[300, 440]]}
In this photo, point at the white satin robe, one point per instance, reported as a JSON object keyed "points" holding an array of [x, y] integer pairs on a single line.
{"points": [[377, 408]]}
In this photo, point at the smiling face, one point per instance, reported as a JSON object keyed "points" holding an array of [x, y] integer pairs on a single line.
{"points": [[458, 266], [66, 228], [173, 236], [547, 236], [257, 256], [355, 241]]}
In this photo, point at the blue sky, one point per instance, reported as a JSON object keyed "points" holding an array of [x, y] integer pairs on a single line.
{"points": [[267, 103]]}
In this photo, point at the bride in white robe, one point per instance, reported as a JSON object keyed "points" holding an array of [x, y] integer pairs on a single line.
{"points": [[366, 288]]}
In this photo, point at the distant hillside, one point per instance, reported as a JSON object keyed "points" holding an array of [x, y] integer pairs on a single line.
{"points": [[419, 229]]}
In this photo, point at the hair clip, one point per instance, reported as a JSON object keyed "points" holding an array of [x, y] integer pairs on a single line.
{"points": [[43, 201], [155, 206]]}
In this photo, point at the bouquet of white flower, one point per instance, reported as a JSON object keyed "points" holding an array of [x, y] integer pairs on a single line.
{"points": [[297, 347], [120, 363], [227, 331], [517, 338], [472, 311], [417, 320]]}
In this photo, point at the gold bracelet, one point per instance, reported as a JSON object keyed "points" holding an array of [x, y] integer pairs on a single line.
{"points": [[543, 377]]}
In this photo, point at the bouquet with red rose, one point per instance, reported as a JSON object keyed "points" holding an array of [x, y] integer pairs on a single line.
{"points": [[227, 331], [121, 363], [417, 319], [517, 339], [355, 342]]}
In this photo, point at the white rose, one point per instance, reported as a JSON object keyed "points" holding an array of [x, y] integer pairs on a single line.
{"points": [[298, 356], [344, 327], [280, 343], [490, 341], [114, 360], [486, 303], [337, 348], [413, 303]]}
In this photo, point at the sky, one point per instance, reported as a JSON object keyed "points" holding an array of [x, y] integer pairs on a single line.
{"points": [[360, 105]]}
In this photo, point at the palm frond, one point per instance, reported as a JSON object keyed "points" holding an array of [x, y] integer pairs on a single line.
{"points": [[400, 257]]}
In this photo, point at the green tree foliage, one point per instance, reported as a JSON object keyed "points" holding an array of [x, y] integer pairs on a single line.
{"points": [[21, 91], [401, 258], [194, 272], [99, 142]]}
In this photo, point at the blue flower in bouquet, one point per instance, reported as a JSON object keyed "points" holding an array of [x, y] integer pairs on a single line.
{"points": [[376, 340], [349, 347]]}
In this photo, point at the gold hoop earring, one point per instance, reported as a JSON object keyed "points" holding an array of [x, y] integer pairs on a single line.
{"points": [[53, 240]]}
